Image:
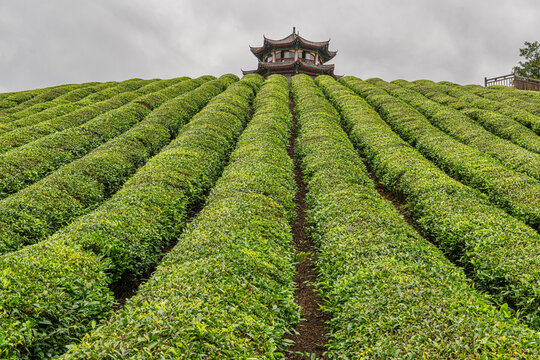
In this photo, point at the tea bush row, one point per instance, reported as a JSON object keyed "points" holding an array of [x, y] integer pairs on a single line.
{"points": [[391, 293], [11, 99], [517, 193], [518, 98], [499, 124], [63, 283], [27, 164], [518, 114], [71, 97], [226, 289], [60, 107], [463, 128], [77, 117], [44, 207], [40, 97], [496, 250]]}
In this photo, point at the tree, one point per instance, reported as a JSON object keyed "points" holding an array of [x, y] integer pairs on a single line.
{"points": [[530, 67]]}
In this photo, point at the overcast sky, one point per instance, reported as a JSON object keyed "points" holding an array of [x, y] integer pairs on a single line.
{"points": [[49, 42]]}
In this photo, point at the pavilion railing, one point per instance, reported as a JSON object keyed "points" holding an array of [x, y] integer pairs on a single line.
{"points": [[514, 80]]}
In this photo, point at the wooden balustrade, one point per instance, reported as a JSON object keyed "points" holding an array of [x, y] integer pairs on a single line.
{"points": [[514, 80]]}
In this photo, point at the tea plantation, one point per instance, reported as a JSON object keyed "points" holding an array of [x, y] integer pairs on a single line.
{"points": [[155, 219]]}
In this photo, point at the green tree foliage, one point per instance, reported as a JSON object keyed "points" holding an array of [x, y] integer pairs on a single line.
{"points": [[531, 67]]}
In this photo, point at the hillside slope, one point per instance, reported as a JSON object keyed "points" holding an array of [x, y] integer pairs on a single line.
{"points": [[152, 219]]}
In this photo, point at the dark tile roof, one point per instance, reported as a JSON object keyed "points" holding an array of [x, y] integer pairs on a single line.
{"points": [[291, 40]]}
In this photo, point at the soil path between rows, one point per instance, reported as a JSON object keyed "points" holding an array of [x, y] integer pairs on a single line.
{"points": [[310, 338], [126, 287]]}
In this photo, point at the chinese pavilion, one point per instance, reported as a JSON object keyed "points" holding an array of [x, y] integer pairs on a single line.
{"points": [[293, 55]]}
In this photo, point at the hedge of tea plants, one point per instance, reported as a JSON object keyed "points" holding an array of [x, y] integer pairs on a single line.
{"points": [[462, 128], [517, 193], [496, 250], [527, 95], [63, 283], [186, 186], [520, 115], [45, 126], [391, 293], [499, 124], [527, 100], [12, 99], [24, 101], [51, 106], [27, 164], [37, 211], [60, 106], [226, 289]]}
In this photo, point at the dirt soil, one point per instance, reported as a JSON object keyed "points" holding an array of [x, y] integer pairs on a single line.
{"points": [[126, 286], [398, 201], [310, 338]]}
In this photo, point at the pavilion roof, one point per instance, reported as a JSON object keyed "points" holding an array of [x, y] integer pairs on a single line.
{"points": [[291, 41]]}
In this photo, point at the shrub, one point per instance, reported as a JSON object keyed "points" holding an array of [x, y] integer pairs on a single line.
{"points": [[499, 124], [391, 292], [517, 193], [79, 186], [124, 236], [226, 289], [43, 96], [508, 96], [495, 248], [60, 106], [461, 127], [27, 164], [520, 115]]}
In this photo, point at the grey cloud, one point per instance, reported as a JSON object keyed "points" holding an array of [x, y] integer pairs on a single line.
{"points": [[43, 43]]}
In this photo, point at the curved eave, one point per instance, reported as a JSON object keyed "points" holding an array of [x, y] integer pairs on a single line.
{"points": [[313, 44], [325, 68], [255, 50], [246, 72], [328, 55], [290, 41], [291, 68], [286, 40], [283, 65]]}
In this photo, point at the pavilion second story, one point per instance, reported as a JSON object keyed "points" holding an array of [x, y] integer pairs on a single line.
{"points": [[292, 55]]}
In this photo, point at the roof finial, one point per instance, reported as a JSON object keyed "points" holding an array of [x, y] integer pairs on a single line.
{"points": [[294, 30]]}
